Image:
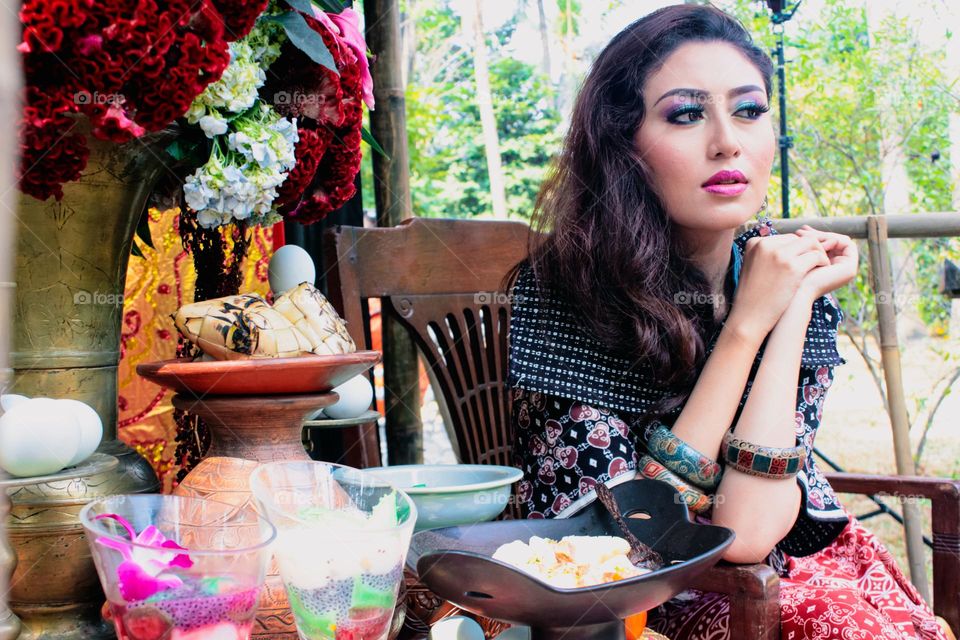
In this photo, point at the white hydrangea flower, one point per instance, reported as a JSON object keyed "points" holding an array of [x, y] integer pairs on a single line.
{"points": [[232, 186], [209, 218], [213, 125], [236, 90], [196, 111], [265, 41], [253, 147], [268, 140]]}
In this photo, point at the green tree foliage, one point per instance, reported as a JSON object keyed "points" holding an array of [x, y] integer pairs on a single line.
{"points": [[448, 169], [856, 95]]}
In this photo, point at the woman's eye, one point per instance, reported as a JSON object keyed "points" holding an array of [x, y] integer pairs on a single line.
{"points": [[686, 115], [753, 111]]}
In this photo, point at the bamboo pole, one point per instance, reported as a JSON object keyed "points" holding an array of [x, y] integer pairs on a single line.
{"points": [[391, 178], [10, 82], [877, 230], [882, 282], [911, 225]]}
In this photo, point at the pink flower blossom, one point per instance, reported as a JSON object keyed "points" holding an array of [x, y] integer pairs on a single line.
{"points": [[142, 572], [348, 21], [346, 27]]}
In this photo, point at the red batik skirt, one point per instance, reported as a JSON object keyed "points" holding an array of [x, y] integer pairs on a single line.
{"points": [[852, 590]]}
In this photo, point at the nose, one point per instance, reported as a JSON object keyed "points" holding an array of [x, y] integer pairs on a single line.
{"points": [[724, 141]]}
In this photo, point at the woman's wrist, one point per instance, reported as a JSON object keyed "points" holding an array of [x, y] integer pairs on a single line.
{"points": [[801, 306], [745, 330], [805, 297]]}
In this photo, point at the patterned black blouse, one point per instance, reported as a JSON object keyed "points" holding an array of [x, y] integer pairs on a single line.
{"points": [[576, 411]]}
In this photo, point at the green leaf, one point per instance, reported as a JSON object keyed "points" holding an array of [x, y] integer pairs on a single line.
{"points": [[176, 150], [331, 6], [307, 40], [301, 5], [369, 139], [143, 229]]}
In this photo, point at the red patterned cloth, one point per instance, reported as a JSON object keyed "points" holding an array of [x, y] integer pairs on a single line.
{"points": [[851, 590]]}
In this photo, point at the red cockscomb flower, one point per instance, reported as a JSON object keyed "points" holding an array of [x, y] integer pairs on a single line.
{"points": [[130, 68]]}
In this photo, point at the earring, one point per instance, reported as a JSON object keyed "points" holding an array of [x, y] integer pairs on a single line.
{"points": [[762, 214]]}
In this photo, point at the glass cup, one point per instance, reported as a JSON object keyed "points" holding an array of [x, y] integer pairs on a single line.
{"points": [[176, 568], [342, 541]]}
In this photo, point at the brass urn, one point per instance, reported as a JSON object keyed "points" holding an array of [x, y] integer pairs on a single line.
{"points": [[54, 588], [71, 265]]}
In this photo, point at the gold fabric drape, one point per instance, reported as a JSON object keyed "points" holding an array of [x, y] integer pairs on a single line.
{"points": [[156, 286]]}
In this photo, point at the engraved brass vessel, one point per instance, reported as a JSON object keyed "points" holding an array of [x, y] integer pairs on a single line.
{"points": [[71, 264]]}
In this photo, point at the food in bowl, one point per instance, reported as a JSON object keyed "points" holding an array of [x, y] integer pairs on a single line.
{"points": [[573, 561]]}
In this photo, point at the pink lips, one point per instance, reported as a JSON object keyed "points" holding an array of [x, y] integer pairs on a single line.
{"points": [[726, 183]]}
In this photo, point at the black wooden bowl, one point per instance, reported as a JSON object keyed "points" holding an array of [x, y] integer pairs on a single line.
{"points": [[456, 564]]}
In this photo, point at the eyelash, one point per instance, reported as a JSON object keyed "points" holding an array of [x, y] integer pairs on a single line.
{"points": [[674, 117]]}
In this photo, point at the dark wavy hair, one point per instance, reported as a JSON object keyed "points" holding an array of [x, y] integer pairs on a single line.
{"points": [[609, 247]]}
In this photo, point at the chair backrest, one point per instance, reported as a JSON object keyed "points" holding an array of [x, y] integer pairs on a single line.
{"points": [[441, 278]]}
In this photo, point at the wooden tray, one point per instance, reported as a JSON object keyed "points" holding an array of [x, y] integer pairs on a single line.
{"points": [[261, 376]]}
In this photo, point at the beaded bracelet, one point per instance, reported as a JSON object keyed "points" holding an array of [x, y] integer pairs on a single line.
{"points": [[682, 459], [696, 500], [765, 462]]}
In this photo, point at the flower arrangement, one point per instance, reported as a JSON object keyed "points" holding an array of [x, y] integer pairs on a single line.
{"points": [[265, 96]]}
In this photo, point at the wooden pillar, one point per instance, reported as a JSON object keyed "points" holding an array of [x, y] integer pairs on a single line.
{"points": [[391, 185], [9, 117], [882, 281]]}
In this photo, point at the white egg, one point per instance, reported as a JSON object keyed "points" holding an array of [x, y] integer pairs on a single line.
{"points": [[456, 628], [90, 426], [7, 400], [37, 437], [290, 266], [356, 394]]}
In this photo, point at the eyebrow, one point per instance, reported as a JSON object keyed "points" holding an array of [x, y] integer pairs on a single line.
{"points": [[747, 88]]}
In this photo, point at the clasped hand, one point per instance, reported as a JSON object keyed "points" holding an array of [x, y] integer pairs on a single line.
{"points": [[791, 268]]}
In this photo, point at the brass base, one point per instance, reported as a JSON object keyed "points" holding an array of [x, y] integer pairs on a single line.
{"points": [[9, 626], [55, 590], [9, 623], [66, 623], [134, 473]]}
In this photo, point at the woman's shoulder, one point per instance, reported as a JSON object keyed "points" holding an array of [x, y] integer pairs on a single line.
{"points": [[550, 352]]}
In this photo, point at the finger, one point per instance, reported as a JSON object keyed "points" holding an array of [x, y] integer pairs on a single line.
{"points": [[829, 244], [811, 243], [842, 245], [821, 236], [812, 259], [816, 248], [839, 238]]}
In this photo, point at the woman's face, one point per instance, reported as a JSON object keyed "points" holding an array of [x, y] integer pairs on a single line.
{"points": [[705, 113]]}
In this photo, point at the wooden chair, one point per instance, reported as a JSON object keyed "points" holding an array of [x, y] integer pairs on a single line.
{"points": [[441, 278]]}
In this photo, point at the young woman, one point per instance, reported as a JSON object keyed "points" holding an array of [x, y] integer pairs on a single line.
{"points": [[648, 339]]}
